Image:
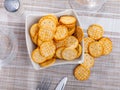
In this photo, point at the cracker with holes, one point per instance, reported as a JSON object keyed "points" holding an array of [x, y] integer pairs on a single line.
{"points": [[37, 57], [79, 34], [59, 52], [48, 63], [107, 45], [95, 31], [46, 34], [81, 73], [60, 43], [88, 61], [53, 17], [47, 49], [69, 54], [95, 49], [61, 33], [47, 22], [87, 41], [71, 42]]}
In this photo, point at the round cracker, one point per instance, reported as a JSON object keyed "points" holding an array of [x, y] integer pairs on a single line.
{"points": [[79, 49], [95, 31], [71, 31], [67, 19], [59, 52], [81, 73], [61, 33], [34, 29], [71, 42], [48, 63], [47, 22], [95, 49], [69, 54], [60, 43], [37, 57], [107, 45], [46, 34], [50, 16], [47, 49], [87, 41], [88, 61], [79, 34], [53, 17]]}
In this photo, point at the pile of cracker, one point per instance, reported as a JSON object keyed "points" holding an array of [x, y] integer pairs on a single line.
{"points": [[95, 45], [56, 38]]}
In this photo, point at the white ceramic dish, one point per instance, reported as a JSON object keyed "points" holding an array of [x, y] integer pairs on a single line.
{"points": [[33, 18]]}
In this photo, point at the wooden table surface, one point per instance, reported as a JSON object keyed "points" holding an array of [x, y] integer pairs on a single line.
{"points": [[20, 75]]}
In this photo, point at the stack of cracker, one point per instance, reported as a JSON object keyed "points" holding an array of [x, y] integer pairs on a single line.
{"points": [[56, 38]]}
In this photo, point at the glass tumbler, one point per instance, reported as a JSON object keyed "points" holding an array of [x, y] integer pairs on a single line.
{"points": [[87, 5], [8, 47]]}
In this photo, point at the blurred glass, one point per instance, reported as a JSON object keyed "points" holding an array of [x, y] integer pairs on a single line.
{"points": [[8, 46], [88, 5]]}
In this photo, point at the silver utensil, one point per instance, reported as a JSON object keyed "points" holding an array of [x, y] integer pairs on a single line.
{"points": [[62, 84], [12, 5], [44, 84]]}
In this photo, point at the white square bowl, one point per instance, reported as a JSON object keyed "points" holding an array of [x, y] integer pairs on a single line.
{"points": [[33, 18]]}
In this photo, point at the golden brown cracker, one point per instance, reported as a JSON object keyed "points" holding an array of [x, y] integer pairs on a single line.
{"points": [[61, 32], [47, 23], [71, 42], [95, 49], [50, 16], [95, 31], [69, 54], [107, 45], [46, 34], [60, 43], [53, 17], [34, 29], [81, 73], [67, 20], [47, 49], [37, 57]]}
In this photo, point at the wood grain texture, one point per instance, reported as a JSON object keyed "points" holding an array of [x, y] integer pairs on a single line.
{"points": [[20, 75]]}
